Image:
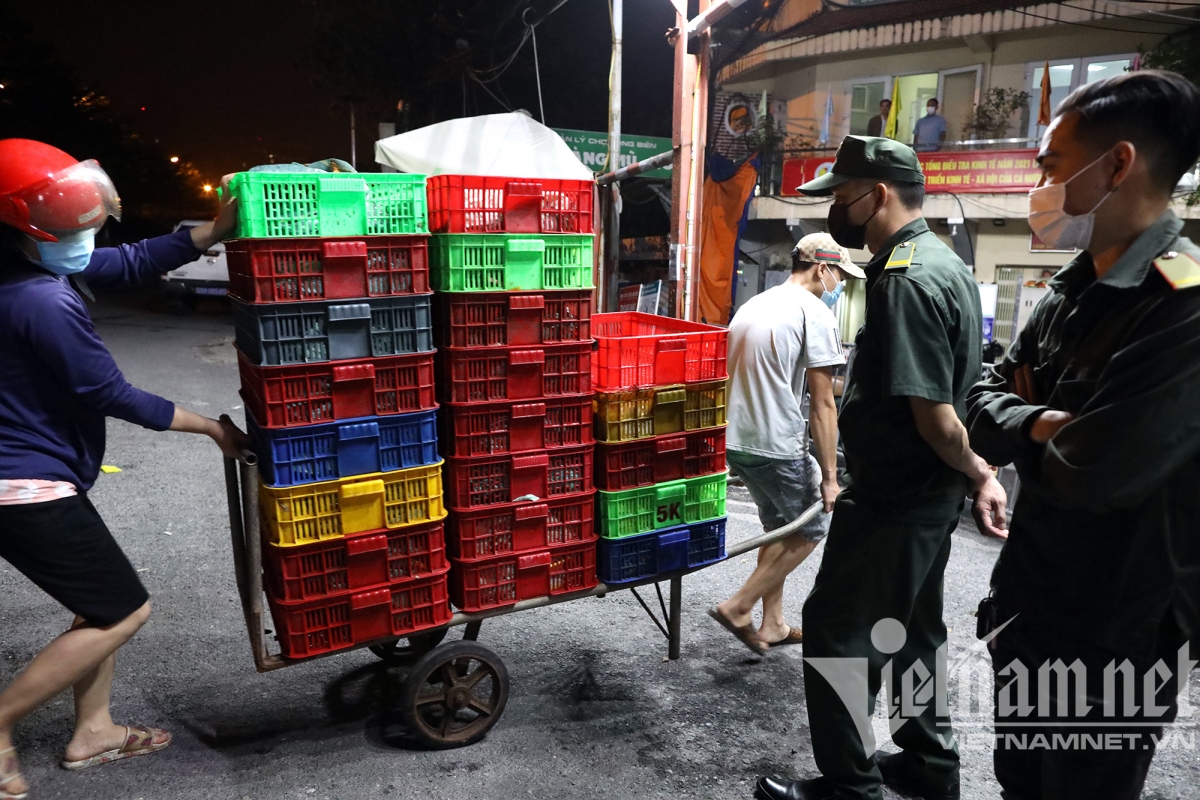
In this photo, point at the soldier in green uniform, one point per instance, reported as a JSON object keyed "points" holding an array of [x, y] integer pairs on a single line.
{"points": [[1097, 403], [876, 606]]}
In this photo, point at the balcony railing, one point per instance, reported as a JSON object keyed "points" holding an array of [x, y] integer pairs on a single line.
{"points": [[771, 176]]}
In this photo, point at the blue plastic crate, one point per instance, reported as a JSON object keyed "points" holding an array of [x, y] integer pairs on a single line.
{"points": [[639, 557], [278, 334], [313, 453]]}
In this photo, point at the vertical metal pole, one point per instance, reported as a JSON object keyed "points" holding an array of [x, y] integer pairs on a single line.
{"points": [[689, 113], [353, 139], [254, 579], [610, 263], [691, 293], [674, 618], [233, 496], [614, 88]]}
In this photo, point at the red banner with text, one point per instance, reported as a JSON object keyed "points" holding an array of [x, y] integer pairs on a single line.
{"points": [[967, 172]]}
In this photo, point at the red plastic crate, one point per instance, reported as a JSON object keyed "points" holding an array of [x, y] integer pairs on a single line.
{"points": [[635, 350], [478, 204], [504, 580], [485, 429], [520, 527], [306, 394], [477, 481], [645, 462], [323, 569], [315, 627], [487, 319], [294, 270], [488, 375]]}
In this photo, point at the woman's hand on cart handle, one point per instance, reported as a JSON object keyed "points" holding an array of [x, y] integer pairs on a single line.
{"points": [[233, 442]]}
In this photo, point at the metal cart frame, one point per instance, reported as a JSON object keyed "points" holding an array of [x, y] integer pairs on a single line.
{"points": [[242, 484]]}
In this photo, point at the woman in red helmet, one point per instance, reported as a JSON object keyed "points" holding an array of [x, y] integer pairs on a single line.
{"points": [[58, 383]]}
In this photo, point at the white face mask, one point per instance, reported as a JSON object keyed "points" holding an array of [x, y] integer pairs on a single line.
{"points": [[1053, 225], [930, 111]]}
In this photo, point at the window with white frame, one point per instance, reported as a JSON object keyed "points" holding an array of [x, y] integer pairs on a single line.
{"points": [[1067, 75]]}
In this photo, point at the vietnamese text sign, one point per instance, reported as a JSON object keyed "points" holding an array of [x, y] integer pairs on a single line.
{"points": [[592, 149], [968, 172]]}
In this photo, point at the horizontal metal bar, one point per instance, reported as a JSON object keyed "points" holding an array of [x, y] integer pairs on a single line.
{"points": [[651, 163], [273, 662], [807, 152]]}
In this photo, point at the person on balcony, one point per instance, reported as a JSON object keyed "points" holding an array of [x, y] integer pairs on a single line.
{"points": [[877, 123], [930, 130]]}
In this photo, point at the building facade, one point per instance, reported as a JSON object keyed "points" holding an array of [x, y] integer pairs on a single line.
{"points": [[830, 64]]}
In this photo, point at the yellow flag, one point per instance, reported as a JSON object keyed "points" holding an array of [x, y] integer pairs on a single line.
{"points": [[893, 119]]}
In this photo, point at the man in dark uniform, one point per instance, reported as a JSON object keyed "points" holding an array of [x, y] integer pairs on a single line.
{"points": [[1098, 405], [876, 604]]}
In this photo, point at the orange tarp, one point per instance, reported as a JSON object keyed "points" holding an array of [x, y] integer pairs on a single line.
{"points": [[724, 204]]}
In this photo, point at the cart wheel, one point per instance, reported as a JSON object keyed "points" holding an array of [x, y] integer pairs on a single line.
{"points": [[454, 695], [406, 651]]}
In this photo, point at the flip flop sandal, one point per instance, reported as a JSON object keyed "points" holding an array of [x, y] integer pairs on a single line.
{"points": [[9, 772], [794, 636], [139, 741], [744, 633]]}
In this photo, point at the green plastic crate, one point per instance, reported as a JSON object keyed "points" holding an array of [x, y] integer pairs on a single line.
{"points": [[285, 204], [474, 262], [664, 505]]}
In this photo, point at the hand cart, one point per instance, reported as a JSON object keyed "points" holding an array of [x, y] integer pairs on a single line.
{"points": [[454, 693]]}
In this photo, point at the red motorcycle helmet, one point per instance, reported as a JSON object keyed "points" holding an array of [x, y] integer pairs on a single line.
{"points": [[46, 193]]}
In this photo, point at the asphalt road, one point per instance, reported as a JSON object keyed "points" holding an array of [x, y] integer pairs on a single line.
{"points": [[595, 710]]}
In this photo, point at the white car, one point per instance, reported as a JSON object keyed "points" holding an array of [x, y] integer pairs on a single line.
{"points": [[207, 275]]}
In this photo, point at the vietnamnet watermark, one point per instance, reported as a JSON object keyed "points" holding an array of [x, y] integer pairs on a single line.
{"points": [[979, 703]]}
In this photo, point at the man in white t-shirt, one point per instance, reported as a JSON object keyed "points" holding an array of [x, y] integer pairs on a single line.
{"points": [[775, 340]]}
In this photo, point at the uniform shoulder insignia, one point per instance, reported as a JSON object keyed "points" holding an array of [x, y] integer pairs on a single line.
{"points": [[1180, 269], [901, 256]]}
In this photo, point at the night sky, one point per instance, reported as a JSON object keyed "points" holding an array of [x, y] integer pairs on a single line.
{"points": [[226, 85]]}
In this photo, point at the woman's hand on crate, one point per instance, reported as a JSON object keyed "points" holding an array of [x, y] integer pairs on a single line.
{"points": [[224, 226]]}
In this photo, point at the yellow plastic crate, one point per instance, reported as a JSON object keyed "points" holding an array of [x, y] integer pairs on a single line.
{"points": [[642, 413], [317, 512], [703, 405]]}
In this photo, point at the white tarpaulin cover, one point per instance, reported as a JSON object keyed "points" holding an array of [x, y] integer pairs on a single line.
{"points": [[493, 144]]}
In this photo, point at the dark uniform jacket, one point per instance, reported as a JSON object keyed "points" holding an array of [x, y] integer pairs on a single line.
{"points": [[923, 337], [1105, 539]]}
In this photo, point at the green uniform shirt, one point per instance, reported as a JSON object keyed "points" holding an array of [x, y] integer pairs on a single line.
{"points": [[1105, 539], [923, 337]]}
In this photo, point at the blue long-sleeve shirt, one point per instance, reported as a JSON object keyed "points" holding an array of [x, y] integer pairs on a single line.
{"points": [[58, 382]]}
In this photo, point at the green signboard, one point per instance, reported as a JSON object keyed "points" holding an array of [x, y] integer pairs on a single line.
{"points": [[592, 149]]}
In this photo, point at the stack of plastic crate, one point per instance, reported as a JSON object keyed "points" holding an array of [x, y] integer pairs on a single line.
{"points": [[329, 280], [511, 260], [660, 452]]}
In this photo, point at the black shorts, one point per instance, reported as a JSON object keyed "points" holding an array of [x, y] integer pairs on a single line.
{"points": [[65, 548]]}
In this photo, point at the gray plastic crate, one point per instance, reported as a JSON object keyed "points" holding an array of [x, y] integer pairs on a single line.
{"points": [[332, 330]]}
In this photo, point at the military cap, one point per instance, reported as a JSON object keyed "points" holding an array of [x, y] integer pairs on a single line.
{"points": [[870, 157]]}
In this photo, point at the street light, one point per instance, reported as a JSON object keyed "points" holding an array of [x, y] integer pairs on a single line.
{"points": [[207, 188], [174, 159]]}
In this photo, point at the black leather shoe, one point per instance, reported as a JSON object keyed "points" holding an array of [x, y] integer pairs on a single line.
{"points": [[777, 789], [900, 773]]}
